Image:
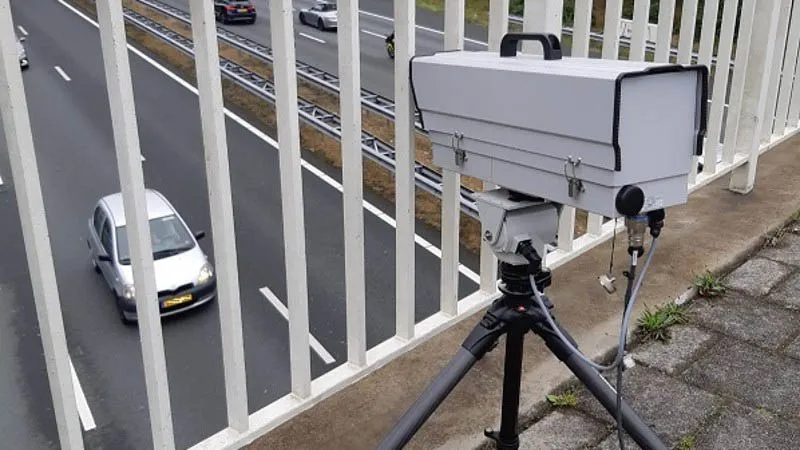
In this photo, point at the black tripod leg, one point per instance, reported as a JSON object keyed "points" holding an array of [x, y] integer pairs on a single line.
{"points": [[482, 339], [508, 438], [641, 433]]}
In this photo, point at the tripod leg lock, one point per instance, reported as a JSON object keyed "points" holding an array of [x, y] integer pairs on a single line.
{"points": [[483, 337]]}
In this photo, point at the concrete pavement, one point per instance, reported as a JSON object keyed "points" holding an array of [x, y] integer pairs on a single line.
{"points": [[716, 230]]}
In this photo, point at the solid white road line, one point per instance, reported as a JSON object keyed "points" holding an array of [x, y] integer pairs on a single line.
{"points": [[83, 406], [63, 74], [315, 345], [430, 30], [22, 30], [372, 33], [422, 242], [313, 38]]}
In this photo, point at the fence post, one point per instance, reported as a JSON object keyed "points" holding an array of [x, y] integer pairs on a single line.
{"points": [[788, 80], [451, 182], [285, 75], [220, 205], [30, 204], [405, 148], [730, 9], [541, 16], [131, 177], [752, 114], [666, 17], [352, 181], [777, 68]]}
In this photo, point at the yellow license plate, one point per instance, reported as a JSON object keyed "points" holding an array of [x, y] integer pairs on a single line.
{"points": [[242, 9], [178, 300]]}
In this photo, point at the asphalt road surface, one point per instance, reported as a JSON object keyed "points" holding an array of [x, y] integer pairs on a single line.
{"points": [[319, 48], [66, 93]]}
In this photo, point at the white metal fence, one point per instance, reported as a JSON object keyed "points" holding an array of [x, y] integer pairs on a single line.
{"points": [[762, 113]]}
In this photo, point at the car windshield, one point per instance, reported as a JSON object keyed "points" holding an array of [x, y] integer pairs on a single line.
{"points": [[167, 234], [328, 6]]}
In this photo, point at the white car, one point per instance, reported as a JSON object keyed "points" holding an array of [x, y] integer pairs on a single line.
{"points": [[184, 276]]}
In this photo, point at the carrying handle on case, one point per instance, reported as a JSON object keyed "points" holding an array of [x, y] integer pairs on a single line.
{"points": [[550, 44]]}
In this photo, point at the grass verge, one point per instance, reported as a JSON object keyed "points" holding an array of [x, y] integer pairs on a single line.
{"points": [[376, 178]]}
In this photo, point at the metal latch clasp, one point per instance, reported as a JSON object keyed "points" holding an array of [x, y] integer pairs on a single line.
{"points": [[574, 184], [455, 143]]}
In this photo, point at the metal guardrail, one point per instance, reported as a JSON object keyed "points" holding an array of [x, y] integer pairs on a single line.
{"points": [[375, 149], [371, 100]]}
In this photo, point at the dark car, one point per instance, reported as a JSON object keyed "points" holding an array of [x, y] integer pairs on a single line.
{"points": [[234, 11]]}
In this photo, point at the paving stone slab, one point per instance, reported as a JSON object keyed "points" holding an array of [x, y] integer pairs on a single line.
{"points": [[612, 442], [749, 319], [740, 427], [757, 276], [788, 293], [562, 431], [793, 349], [670, 356], [671, 407], [786, 250], [752, 376]]}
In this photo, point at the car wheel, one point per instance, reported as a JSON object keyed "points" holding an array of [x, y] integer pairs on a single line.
{"points": [[303, 19], [122, 317], [95, 266], [218, 15], [321, 25], [252, 21]]}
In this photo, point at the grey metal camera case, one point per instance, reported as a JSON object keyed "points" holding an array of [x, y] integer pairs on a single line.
{"points": [[570, 130]]}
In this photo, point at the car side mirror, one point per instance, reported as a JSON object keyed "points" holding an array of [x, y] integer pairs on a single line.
{"points": [[200, 235], [104, 257], [22, 39]]}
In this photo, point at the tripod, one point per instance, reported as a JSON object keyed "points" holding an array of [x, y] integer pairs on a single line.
{"points": [[513, 315]]}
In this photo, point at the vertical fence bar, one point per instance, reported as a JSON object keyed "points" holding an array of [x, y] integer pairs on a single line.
{"points": [[282, 30], [540, 16], [581, 28], [721, 76], [498, 23], [779, 42], [752, 119], [641, 21], [30, 204], [594, 224], [404, 145], [209, 86], [498, 27], [686, 34], [611, 29], [352, 180], [732, 143], [131, 177], [708, 33], [666, 17], [789, 67], [451, 181], [794, 108]]}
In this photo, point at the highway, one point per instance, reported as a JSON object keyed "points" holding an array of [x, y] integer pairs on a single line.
{"points": [[66, 94], [319, 48]]}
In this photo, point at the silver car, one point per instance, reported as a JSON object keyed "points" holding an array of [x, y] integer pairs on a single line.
{"points": [[22, 54], [184, 277], [323, 15]]}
